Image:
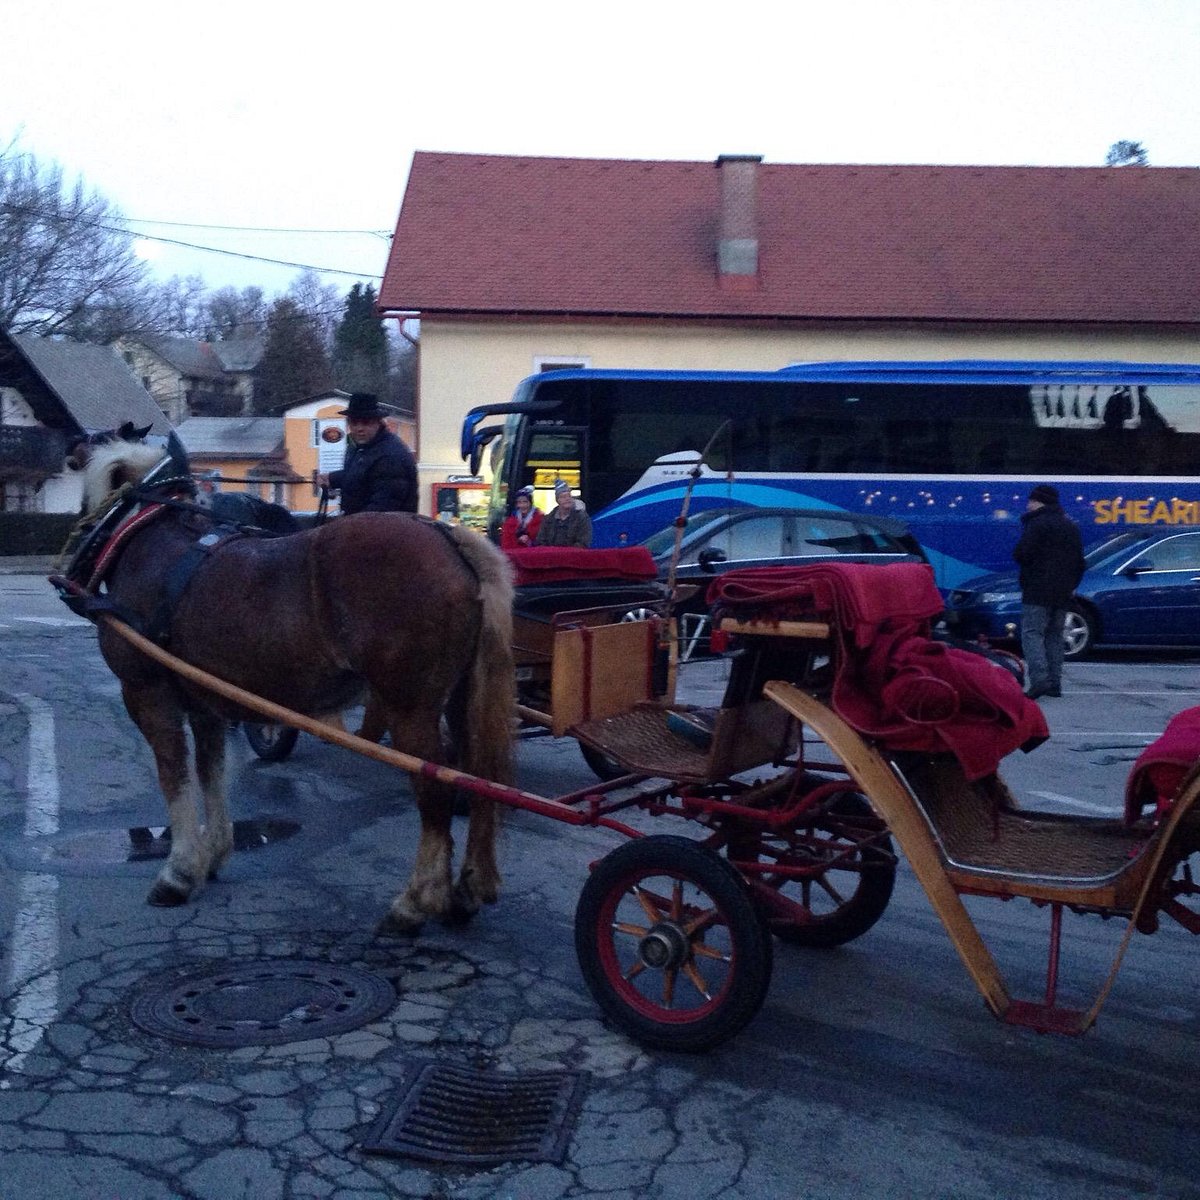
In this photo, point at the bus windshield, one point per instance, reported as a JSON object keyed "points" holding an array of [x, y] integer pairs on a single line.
{"points": [[951, 449]]}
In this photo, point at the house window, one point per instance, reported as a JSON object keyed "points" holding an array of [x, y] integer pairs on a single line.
{"points": [[549, 362]]}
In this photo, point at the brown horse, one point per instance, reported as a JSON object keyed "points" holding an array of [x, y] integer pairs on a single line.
{"points": [[418, 613]]}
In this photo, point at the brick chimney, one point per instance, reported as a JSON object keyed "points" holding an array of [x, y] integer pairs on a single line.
{"points": [[737, 248]]}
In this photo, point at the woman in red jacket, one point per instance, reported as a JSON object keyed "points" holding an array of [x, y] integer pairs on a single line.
{"points": [[520, 528]]}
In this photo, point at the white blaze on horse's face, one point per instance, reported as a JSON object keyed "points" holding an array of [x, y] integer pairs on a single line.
{"points": [[114, 464]]}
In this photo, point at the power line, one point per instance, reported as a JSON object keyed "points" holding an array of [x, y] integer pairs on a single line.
{"points": [[42, 214], [384, 233], [279, 262]]}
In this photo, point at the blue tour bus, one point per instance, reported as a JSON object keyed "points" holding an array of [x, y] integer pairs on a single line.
{"points": [[951, 448]]}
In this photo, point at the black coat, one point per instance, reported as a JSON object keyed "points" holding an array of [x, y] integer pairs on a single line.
{"points": [[378, 477], [1050, 556]]}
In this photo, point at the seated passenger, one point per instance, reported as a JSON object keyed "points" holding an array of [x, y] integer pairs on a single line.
{"points": [[568, 524]]}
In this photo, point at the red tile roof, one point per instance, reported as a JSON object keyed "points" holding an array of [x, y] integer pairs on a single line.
{"points": [[489, 234]]}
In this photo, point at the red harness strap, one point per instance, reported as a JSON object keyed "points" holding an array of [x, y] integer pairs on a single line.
{"points": [[115, 544]]}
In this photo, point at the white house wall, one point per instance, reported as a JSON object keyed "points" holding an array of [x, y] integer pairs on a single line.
{"points": [[463, 364]]}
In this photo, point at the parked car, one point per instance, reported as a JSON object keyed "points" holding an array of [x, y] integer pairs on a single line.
{"points": [[716, 540], [1141, 588]]}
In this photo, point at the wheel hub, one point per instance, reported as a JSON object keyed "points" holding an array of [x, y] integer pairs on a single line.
{"points": [[664, 947]]}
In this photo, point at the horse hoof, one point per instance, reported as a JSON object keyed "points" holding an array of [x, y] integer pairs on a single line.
{"points": [[397, 926], [163, 895]]}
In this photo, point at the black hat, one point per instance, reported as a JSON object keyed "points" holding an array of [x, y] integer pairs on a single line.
{"points": [[363, 404], [1044, 494]]}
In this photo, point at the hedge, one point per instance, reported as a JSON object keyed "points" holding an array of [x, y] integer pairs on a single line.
{"points": [[35, 533]]}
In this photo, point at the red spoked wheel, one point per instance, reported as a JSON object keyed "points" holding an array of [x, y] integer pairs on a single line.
{"points": [[849, 871], [670, 944]]}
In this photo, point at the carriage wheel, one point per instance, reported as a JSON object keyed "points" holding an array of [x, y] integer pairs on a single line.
{"points": [[272, 743], [603, 767], [670, 944], [846, 900]]}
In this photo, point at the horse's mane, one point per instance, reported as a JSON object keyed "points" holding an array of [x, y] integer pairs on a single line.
{"points": [[113, 465]]}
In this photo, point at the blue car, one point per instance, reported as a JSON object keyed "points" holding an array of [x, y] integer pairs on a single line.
{"points": [[1141, 588]]}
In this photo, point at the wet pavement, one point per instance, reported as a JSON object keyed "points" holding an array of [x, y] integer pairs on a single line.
{"points": [[873, 1070]]}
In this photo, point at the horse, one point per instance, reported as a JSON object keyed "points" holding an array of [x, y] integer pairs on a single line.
{"points": [[415, 612]]}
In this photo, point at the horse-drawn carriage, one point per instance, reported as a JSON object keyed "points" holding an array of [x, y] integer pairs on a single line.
{"points": [[845, 738]]}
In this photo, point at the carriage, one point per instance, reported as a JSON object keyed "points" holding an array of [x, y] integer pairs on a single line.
{"points": [[845, 739]]}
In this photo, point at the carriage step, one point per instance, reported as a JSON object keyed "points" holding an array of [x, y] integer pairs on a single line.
{"points": [[1046, 1018]]}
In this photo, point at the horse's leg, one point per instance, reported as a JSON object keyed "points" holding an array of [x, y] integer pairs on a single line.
{"points": [[428, 892], [209, 732], [479, 879], [374, 722], [157, 713]]}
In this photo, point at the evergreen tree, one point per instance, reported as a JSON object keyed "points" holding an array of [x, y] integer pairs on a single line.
{"points": [[294, 364], [360, 345]]}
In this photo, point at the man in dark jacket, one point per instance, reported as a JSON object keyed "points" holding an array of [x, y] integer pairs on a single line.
{"points": [[1050, 556], [379, 473]]}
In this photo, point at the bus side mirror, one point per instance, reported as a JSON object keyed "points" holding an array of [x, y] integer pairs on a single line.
{"points": [[708, 559], [479, 439]]}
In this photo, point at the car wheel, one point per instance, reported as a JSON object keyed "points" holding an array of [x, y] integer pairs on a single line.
{"points": [[1079, 632]]}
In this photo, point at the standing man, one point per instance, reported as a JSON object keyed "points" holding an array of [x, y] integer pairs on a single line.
{"points": [[1050, 556], [566, 524], [379, 473]]}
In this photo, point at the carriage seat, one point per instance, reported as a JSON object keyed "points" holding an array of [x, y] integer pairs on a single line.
{"points": [[990, 843], [568, 564]]}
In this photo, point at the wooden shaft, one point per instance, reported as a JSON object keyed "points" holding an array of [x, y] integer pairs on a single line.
{"points": [[320, 729]]}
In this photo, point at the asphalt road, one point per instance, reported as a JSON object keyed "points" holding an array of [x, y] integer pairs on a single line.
{"points": [[872, 1070]]}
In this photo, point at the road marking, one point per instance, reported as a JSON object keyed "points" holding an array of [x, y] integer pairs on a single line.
{"points": [[1071, 802], [1094, 733], [31, 972], [57, 622]]}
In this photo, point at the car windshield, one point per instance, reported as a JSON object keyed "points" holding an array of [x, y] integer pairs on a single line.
{"points": [[664, 539]]}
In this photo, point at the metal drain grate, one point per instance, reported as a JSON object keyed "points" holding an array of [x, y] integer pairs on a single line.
{"points": [[455, 1114], [262, 1004]]}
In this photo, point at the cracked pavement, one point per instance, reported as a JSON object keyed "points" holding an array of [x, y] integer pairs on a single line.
{"points": [[873, 1070]]}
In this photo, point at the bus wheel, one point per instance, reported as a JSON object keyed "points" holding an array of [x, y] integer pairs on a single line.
{"points": [[1079, 632]]}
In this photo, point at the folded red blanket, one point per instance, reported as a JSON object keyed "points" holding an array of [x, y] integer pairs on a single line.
{"points": [[556, 564], [1162, 766], [859, 596], [892, 682]]}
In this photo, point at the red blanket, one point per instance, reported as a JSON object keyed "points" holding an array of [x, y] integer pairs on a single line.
{"points": [[891, 681], [1161, 767], [556, 564]]}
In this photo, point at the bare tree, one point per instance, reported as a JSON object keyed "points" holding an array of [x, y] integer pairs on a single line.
{"points": [[320, 302], [1127, 154], [236, 314], [178, 307], [65, 259]]}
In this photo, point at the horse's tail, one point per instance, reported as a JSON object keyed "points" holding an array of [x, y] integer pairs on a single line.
{"points": [[485, 739]]}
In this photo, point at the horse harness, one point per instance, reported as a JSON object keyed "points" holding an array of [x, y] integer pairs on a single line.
{"points": [[97, 555]]}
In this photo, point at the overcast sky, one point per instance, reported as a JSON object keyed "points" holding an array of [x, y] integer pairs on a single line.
{"points": [[306, 116]]}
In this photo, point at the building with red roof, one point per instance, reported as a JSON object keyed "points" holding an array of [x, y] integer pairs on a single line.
{"points": [[516, 264]]}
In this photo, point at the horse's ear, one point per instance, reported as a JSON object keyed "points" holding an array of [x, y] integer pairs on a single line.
{"points": [[137, 435], [179, 456], [125, 431]]}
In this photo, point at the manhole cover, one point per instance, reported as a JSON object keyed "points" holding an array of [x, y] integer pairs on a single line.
{"points": [[262, 1004], [460, 1115]]}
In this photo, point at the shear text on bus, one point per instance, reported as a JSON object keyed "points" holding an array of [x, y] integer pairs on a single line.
{"points": [[1147, 512]]}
